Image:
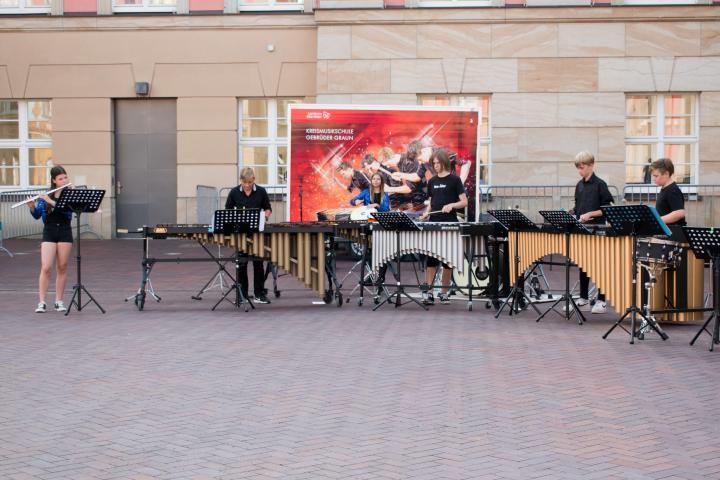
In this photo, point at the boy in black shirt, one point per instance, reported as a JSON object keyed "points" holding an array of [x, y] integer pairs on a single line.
{"points": [[590, 194], [250, 195], [447, 195], [670, 202]]}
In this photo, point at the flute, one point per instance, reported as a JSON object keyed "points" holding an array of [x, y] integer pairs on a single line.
{"points": [[32, 199]]}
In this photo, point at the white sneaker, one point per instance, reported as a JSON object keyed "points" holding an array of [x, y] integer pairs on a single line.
{"points": [[583, 304], [60, 306], [599, 307], [41, 308]]}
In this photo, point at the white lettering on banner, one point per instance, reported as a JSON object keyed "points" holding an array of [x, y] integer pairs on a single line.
{"points": [[338, 134]]}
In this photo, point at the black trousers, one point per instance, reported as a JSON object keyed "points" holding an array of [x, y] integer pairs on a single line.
{"points": [[258, 278], [585, 287]]}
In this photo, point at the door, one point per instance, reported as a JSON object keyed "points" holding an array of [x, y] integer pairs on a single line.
{"points": [[145, 163]]}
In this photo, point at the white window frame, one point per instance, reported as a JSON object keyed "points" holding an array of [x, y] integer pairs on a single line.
{"points": [[660, 139], [272, 141], [271, 5], [454, 3], [144, 8], [24, 144], [659, 3], [23, 8]]}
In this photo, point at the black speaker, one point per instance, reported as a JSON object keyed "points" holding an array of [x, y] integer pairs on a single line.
{"points": [[142, 88]]}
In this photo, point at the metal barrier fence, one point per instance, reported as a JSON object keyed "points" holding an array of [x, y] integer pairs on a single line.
{"points": [[530, 199], [17, 222], [702, 202], [207, 203], [278, 201]]}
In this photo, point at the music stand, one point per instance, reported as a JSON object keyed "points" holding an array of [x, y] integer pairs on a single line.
{"points": [[80, 201], [515, 221], [705, 243], [231, 222], [567, 224], [397, 222], [635, 220]]}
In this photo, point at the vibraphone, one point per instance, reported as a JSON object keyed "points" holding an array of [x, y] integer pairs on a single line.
{"points": [[304, 250], [456, 244], [607, 260]]}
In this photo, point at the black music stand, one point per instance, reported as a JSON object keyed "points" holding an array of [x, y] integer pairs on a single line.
{"points": [[705, 243], [397, 222], [567, 224], [635, 220], [80, 201], [515, 221], [229, 222]]}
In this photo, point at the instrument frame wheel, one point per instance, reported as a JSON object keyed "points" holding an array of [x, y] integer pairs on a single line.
{"points": [[338, 298], [360, 302], [276, 293], [469, 306], [140, 301]]}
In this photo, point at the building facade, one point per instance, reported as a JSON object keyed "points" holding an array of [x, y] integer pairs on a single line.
{"points": [[150, 98]]}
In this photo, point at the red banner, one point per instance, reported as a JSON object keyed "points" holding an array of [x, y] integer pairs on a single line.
{"points": [[334, 150]]}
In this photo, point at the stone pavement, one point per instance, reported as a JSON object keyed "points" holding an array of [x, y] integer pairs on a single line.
{"points": [[301, 391]]}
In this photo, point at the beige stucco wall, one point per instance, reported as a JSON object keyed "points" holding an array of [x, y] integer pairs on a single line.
{"points": [[557, 76], [206, 63]]}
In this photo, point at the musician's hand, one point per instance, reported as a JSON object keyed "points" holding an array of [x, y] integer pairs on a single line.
{"points": [[373, 205], [397, 176], [447, 208], [31, 204], [585, 217], [424, 217]]}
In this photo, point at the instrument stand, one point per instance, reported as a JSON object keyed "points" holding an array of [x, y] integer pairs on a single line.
{"points": [[399, 222], [635, 220], [515, 221], [645, 326], [217, 280], [568, 224], [80, 201], [146, 284], [705, 243], [230, 222]]}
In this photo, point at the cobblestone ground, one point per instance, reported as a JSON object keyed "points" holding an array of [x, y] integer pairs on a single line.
{"points": [[296, 390]]}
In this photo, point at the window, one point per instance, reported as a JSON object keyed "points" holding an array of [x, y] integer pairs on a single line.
{"points": [[258, 5], [661, 126], [481, 102], [130, 6], [264, 138], [455, 3], [25, 143], [24, 6]]}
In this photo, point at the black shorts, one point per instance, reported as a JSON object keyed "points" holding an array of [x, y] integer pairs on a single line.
{"points": [[57, 233]]}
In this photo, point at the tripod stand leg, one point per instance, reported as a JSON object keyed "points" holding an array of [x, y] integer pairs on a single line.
{"points": [[703, 329]]}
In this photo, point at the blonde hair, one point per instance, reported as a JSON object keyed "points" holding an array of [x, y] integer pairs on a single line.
{"points": [[584, 158], [247, 173], [384, 154]]}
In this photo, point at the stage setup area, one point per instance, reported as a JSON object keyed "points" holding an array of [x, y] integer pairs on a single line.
{"points": [[301, 389]]}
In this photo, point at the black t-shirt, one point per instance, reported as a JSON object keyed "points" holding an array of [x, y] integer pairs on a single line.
{"points": [[670, 199], [359, 180], [258, 198], [442, 191], [590, 195], [58, 217]]}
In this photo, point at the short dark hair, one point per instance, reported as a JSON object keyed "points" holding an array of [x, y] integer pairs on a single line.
{"points": [[368, 159], [663, 165]]}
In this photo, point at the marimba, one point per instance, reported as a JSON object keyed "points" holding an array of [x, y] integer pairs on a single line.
{"points": [[608, 261], [306, 251]]}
